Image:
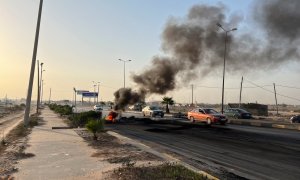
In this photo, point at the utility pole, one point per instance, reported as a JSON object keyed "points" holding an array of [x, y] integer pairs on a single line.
{"points": [[98, 93], [42, 90], [49, 97], [275, 98], [38, 86], [75, 97], [29, 92], [192, 95], [241, 93]]}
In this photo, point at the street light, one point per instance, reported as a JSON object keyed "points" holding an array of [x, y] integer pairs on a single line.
{"points": [[226, 32], [124, 61], [41, 81], [42, 90]]}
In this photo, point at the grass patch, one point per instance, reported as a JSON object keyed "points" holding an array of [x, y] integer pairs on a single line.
{"points": [[164, 171]]}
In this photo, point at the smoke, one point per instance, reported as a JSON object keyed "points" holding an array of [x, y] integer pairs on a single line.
{"points": [[125, 96], [195, 44]]}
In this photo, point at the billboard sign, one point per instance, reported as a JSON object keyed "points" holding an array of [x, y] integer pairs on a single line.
{"points": [[89, 94], [79, 92]]}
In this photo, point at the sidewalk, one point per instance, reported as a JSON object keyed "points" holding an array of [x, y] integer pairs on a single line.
{"points": [[58, 154]]}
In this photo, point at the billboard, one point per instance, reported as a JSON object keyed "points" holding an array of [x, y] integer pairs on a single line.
{"points": [[89, 94], [79, 92]]}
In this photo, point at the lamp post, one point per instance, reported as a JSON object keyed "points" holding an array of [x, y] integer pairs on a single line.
{"points": [[41, 81], [124, 61], [98, 83], [226, 32], [42, 90]]}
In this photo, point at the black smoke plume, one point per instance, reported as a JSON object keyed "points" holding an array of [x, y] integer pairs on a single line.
{"points": [[195, 43], [125, 96]]}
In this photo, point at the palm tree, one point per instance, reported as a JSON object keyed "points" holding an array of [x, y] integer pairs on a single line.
{"points": [[168, 101]]}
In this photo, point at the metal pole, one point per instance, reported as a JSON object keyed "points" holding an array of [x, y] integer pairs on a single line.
{"points": [[98, 93], [42, 91], [224, 73], [192, 95], [124, 74], [38, 84], [29, 92], [49, 96], [94, 94], [241, 93], [40, 87], [275, 98]]}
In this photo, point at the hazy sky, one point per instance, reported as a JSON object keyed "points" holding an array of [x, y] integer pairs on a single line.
{"points": [[82, 40]]}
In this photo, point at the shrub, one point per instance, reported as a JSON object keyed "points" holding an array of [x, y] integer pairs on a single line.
{"points": [[95, 126], [61, 109], [81, 119]]}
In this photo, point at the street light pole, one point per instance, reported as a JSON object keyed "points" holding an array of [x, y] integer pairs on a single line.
{"points": [[30, 84], [41, 80], [226, 32], [98, 92], [124, 61], [38, 87], [42, 90]]}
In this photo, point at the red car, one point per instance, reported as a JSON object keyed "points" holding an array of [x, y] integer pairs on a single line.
{"points": [[207, 115]]}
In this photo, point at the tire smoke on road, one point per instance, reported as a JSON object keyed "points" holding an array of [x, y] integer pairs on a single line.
{"points": [[195, 44]]}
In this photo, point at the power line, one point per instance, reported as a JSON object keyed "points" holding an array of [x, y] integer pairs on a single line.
{"points": [[273, 92], [291, 87]]}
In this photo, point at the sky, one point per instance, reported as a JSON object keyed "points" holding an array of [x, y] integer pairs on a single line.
{"points": [[81, 41]]}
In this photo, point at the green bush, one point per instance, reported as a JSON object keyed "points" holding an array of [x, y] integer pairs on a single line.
{"points": [[61, 109], [81, 119], [95, 126]]}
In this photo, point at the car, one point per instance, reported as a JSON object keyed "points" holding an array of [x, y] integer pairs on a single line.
{"points": [[207, 115], [295, 119], [238, 113], [97, 107], [152, 111]]}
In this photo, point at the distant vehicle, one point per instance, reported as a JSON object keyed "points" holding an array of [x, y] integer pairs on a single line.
{"points": [[238, 113], [98, 107], [152, 111], [207, 115], [135, 107], [295, 119]]}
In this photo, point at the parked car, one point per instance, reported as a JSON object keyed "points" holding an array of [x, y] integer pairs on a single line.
{"points": [[295, 119], [152, 111], [97, 107], [237, 113], [207, 115]]}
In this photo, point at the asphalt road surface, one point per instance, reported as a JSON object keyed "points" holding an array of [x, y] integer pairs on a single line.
{"points": [[228, 152]]}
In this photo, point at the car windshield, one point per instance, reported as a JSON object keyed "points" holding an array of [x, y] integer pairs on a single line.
{"points": [[210, 111], [154, 108]]}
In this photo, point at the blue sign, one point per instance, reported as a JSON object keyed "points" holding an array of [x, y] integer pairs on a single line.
{"points": [[89, 94]]}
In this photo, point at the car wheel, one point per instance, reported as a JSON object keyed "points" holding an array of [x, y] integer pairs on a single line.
{"points": [[208, 121], [192, 119], [162, 116]]}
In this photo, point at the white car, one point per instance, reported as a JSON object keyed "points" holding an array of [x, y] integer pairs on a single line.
{"points": [[98, 108], [152, 111]]}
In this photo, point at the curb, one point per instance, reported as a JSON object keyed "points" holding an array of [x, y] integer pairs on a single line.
{"points": [[161, 155], [266, 124]]}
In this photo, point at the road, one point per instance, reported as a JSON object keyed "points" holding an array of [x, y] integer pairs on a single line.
{"points": [[230, 152], [9, 122]]}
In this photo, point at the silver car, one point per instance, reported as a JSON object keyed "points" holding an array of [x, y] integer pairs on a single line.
{"points": [[152, 111]]}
